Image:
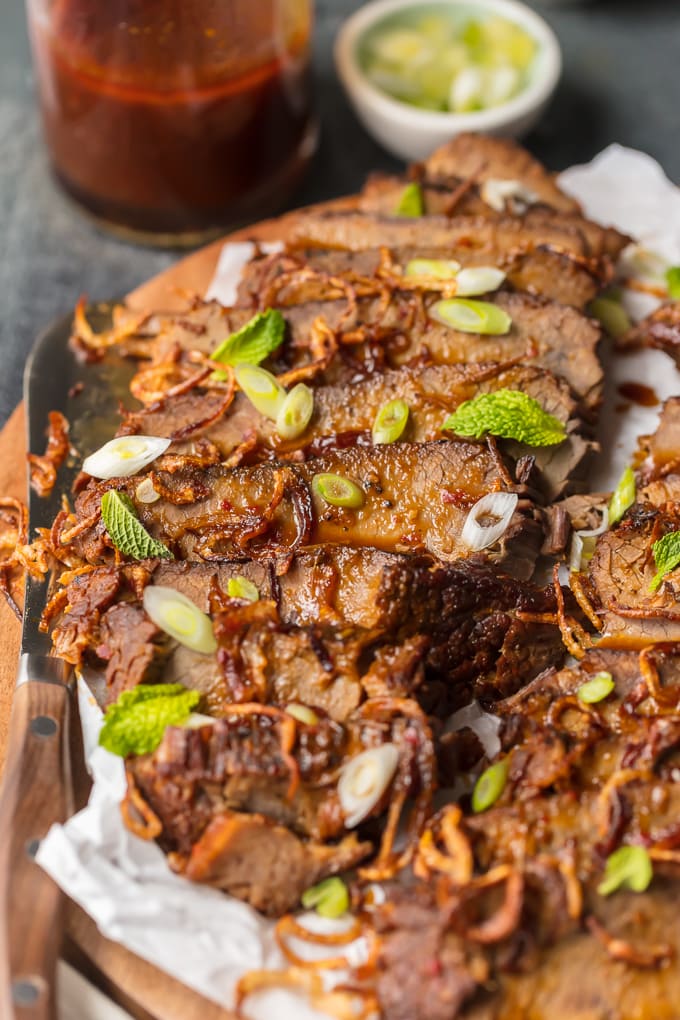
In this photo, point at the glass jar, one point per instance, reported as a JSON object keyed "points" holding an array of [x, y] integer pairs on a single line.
{"points": [[171, 120]]}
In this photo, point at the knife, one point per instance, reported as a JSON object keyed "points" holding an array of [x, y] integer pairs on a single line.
{"points": [[38, 785]]}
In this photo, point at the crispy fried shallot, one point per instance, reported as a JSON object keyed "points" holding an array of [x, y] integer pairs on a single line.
{"points": [[289, 928], [341, 1003], [457, 861], [646, 959], [137, 814], [44, 467]]}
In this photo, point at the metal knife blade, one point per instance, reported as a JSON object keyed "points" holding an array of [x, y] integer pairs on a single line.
{"points": [[37, 782], [88, 394]]}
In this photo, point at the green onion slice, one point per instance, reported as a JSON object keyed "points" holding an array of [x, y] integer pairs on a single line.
{"points": [[329, 898], [489, 786], [622, 497], [124, 456], [673, 282], [596, 689], [295, 412], [180, 618], [629, 867], [338, 490], [303, 714], [240, 587], [611, 315], [471, 316], [262, 389], [411, 201], [438, 269], [390, 421], [478, 280], [364, 780]]}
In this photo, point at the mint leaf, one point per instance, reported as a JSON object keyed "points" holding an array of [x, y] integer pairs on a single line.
{"points": [[666, 557], [253, 342], [509, 414], [135, 724], [411, 201], [126, 532], [673, 282]]}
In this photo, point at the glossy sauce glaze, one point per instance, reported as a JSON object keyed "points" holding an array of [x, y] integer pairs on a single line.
{"points": [[639, 394], [175, 117]]}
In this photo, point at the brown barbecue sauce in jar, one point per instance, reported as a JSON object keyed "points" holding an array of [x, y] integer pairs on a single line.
{"points": [[174, 119]]}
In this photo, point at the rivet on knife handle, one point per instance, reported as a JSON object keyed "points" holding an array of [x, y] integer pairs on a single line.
{"points": [[35, 793]]}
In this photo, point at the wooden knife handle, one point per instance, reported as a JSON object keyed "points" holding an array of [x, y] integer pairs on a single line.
{"points": [[36, 792]]}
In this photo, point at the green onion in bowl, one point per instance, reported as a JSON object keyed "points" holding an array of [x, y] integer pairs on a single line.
{"points": [[448, 58]]}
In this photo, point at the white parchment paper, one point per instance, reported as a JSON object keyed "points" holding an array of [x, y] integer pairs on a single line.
{"points": [[199, 936]]}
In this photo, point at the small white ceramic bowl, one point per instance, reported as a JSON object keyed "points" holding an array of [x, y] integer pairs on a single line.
{"points": [[412, 133]]}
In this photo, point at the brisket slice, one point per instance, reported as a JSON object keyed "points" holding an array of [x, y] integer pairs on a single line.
{"points": [[554, 814], [382, 193], [553, 274], [482, 157], [219, 787], [552, 336], [463, 620], [425, 971], [348, 413], [236, 763], [416, 497], [622, 569], [265, 864], [134, 649], [354, 230]]}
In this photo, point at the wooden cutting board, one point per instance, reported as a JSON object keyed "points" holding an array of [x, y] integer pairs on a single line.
{"points": [[142, 989]]}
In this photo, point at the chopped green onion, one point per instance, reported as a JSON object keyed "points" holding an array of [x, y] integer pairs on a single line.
{"points": [[329, 898], [411, 201], [501, 193], [673, 282], [177, 615], [364, 780], [295, 412], [596, 689], [145, 492], [338, 491], [303, 714], [126, 531], [490, 786], [622, 497], [478, 280], [262, 389], [629, 867], [240, 587], [445, 62], [124, 456], [390, 421], [611, 315], [471, 316], [253, 342], [439, 269], [666, 557]]}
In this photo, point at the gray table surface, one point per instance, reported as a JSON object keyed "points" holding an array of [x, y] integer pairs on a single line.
{"points": [[621, 83]]}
